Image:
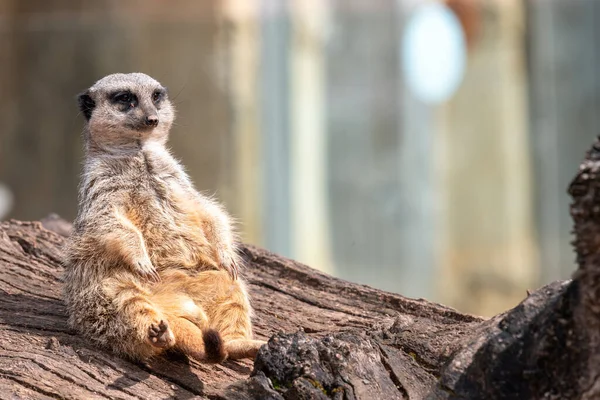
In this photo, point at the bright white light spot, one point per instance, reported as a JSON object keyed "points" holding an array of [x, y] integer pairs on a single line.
{"points": [[6, 200], [433, 53]]}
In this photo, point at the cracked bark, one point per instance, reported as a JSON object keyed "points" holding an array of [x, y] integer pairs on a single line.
{"points": [[328, 338]]}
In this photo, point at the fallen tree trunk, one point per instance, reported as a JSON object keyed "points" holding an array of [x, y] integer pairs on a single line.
{"points": [[328, 338]]}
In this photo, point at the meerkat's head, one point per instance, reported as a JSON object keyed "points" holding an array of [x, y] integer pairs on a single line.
{"points": [[126, 110]]}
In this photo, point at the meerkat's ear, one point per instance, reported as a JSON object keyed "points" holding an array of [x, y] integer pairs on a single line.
{"points": [[86, 104]]}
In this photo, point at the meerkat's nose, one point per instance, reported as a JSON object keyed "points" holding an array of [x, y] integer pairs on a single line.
{"points": [[152, 120]]}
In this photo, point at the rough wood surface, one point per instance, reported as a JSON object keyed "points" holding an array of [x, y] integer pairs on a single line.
{"points": [[328, 338]]}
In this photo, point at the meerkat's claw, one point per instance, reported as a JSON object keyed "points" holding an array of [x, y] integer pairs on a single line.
{"points": [[229, 263], [146, 268], [160, 335]]}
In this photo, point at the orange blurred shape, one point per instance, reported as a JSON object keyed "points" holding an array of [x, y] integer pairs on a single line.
{"points": [[469, 15]]}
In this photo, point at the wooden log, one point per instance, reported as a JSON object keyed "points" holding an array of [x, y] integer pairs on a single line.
{"points": [[328, 338]]}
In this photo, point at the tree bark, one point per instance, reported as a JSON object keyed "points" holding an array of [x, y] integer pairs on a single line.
{"points": [[328, 338]]}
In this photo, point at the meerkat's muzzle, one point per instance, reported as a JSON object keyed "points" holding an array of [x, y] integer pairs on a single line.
{"points": [[151, 120]]}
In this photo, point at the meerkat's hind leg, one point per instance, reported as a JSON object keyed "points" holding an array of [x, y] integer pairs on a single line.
{"points": [[176, 304], [228, 309], [143, 326], [243, 348]]}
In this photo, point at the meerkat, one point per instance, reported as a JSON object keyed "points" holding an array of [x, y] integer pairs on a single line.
{"points": [[151, 264]]}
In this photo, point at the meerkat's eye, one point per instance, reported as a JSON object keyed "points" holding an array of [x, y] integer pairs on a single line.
{"points": [[125, 98], [157, 96]]}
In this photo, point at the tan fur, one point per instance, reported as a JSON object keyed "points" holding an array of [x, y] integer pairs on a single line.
{"points": [[151, 264]]}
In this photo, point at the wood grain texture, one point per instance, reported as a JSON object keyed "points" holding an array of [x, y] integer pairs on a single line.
{"points": [[39, 354]]}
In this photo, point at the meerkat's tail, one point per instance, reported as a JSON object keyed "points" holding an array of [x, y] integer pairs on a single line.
{"points": [[214, 347]]}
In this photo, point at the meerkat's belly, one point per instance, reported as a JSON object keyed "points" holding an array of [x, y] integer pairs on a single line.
{"points": [[173, 229]]}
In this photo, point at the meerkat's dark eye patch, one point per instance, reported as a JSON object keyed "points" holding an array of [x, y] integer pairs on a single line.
{"points": [[86, 105], [124, 98], [158, 95]]}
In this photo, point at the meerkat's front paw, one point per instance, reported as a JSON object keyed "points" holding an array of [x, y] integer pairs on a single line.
{"points": [[160, 335]]}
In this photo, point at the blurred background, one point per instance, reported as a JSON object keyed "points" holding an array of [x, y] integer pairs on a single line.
{"points": [[421, 147]]}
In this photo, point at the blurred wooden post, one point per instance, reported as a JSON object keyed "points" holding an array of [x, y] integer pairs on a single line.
{"points": [[240, 34], [565, 103], [378, 151], [309, 200], [275, 116], [416, 179], [488, 256]]}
